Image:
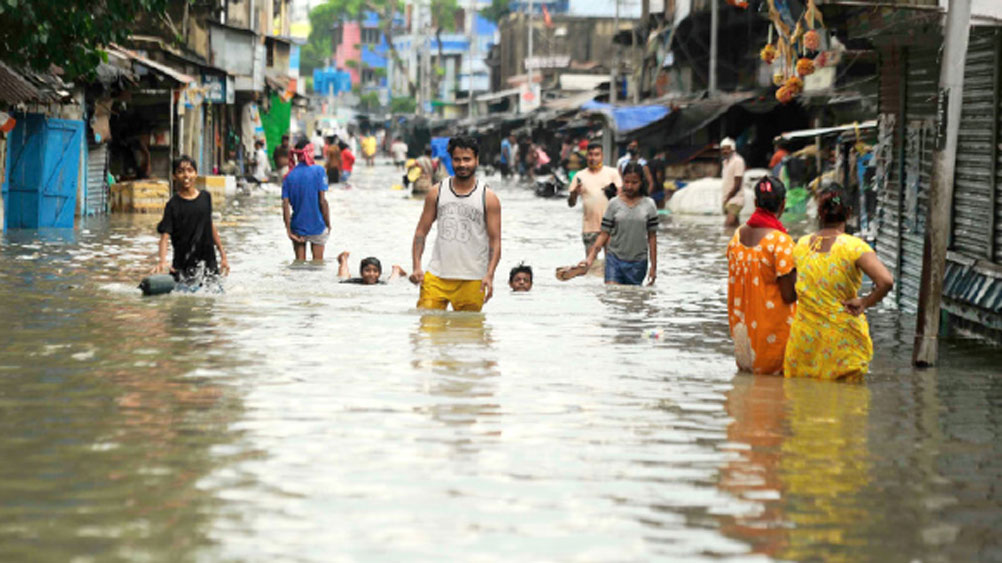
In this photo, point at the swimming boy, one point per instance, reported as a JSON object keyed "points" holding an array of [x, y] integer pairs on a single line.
{"points": [[187, 224], [520, 278], [370, 269]]}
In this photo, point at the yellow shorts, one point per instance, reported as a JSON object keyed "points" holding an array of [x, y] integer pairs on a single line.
{"points": [[436, 293]]}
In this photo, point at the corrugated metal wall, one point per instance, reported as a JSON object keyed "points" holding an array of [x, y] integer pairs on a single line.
{"points": [[909, 78], [977, 151]]}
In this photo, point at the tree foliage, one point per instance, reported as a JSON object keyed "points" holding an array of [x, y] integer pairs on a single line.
{"points": [[496, 11], [403, 104], [369, 101], [67, 33]]}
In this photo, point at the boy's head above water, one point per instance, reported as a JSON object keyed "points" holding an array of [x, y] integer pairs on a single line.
{"points": [[520, 278], [370, 269]]}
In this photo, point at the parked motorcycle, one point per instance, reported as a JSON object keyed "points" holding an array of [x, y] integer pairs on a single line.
{"points": [[552, 185]]}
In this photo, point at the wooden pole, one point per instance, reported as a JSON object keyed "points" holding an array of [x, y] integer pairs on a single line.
{"points": [[944, 156]]}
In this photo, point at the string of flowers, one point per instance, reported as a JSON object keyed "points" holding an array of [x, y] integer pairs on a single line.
{"points": [[798, 51]]}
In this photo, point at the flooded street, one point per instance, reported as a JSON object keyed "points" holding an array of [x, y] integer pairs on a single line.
{"points": [[297, 419]]}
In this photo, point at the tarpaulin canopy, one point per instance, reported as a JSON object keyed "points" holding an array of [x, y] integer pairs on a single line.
{"points": [[629, 118], [440, 150]]}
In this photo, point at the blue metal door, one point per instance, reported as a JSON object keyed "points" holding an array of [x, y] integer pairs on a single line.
{"points": [[63, 146], [24, 161], [43, 164]]}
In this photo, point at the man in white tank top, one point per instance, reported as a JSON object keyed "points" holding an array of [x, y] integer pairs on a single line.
{"points": [[468, 244]]}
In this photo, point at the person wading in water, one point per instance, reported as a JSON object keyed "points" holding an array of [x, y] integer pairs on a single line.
{"points": [[468, 246]]}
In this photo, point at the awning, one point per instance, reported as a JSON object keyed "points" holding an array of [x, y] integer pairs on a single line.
{"points": [[571, 102], [582, 82], [498, 95], [16, 89], [629, 118], [277, 82], [128, 55], [821, 131], [696, 115]]}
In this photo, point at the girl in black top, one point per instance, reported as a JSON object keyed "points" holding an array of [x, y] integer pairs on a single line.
{"points": [[187, 222]]}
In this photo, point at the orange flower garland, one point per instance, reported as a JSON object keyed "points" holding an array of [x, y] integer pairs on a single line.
{"points": [[805, 67], [784, 95], [794, 85], [768, 53]]}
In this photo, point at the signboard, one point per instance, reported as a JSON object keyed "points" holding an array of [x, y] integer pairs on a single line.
{"points": [[214, 87], [231, 90], [528, 98], [551, 61], [820, 80], [294, 61]]}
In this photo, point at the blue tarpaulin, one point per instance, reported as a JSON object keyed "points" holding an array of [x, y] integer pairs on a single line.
{"points": [[629, 118], [440, 150], [328, 81]]}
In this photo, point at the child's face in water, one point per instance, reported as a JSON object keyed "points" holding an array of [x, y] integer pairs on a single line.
{"points": [[370, 274], [631, 185], [521, 282]]}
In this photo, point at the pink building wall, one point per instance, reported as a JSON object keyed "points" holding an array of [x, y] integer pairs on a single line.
{"points": [[349, 50]]}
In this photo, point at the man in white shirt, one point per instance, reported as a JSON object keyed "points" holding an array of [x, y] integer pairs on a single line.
{"points": [[318, 145], [262, 167], [731, 174], [590, 184], [399, 151]]}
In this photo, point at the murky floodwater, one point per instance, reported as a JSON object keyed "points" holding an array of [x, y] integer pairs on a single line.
{"points": [[297, 419]]}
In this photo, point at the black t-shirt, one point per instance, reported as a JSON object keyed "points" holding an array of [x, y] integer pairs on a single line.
{"points": [[361, 281], [189, 224]]}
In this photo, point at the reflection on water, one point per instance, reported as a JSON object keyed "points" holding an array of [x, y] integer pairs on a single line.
{"points": [[455, 349], [296, 418]]}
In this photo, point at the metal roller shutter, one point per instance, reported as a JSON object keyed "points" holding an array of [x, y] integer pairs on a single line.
{"points": [[888, 159], [977, 152], [921, 86], [97, 180]]}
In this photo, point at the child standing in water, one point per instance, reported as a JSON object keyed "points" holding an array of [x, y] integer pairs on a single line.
{"points": [[629, 226], [187, 224]]}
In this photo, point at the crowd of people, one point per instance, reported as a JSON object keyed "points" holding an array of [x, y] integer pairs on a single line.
{"points": [[793, 307]]}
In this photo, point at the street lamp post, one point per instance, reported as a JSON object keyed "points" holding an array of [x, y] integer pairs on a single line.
{"points": [[472, 34], [528, 58], [714, 21], [613, 94]]}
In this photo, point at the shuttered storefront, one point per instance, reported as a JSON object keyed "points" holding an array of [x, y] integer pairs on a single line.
{"points": [[921, 86], [888, 176], [977, 169], [97, 180]]}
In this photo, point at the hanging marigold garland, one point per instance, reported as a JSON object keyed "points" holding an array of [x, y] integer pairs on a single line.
{"points": [[797, 50]]}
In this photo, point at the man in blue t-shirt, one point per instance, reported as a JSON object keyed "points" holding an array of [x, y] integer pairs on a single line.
{"points": [[506, 155], [304, 205]]}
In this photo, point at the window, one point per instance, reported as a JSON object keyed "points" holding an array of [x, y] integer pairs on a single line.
{"points": [[371, 35]]}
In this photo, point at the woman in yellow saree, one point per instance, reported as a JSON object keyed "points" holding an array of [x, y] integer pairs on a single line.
{"points": [[830, 338]]}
